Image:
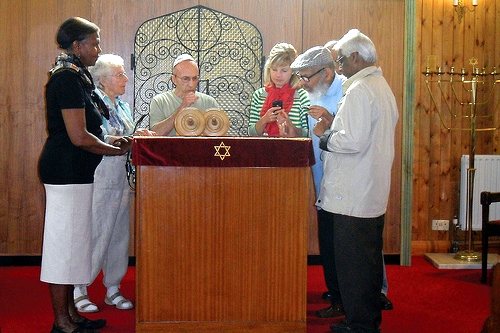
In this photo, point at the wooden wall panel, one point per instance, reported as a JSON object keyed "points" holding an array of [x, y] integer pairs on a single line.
{"points": [[119, 21], [7, 102], [30, 50], [370, 18], [298, 22], [437, 150], [278, 20]]}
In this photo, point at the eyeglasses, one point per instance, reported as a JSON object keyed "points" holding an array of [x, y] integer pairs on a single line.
{"points": [[119, 75], [340, 60], [308, 78], [187, 79]]}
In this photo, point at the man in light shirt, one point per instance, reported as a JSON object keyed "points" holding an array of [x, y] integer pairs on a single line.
{"points": [[354, 192], [165, 106]]}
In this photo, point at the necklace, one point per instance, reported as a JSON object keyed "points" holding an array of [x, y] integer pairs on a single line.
{"points": [[71, 62]]}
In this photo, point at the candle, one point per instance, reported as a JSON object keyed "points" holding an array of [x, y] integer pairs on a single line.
{"points": [[455, 2], [474, 2]]}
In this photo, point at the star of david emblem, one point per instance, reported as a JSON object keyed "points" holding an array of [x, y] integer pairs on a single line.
{"points": [[218, 150], [473, 61]]}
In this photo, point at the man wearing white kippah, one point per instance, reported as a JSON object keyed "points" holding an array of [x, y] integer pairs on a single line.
{"points": [[165, 106]]}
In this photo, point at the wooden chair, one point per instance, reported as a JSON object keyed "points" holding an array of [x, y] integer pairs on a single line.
{"points": [[492, 323], [490, 227]]}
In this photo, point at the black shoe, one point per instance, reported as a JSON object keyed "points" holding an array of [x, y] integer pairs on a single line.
{"points": [[334, 310], [343, 327], [92, 324], [385, 304], [327, 296], [56, 329]]}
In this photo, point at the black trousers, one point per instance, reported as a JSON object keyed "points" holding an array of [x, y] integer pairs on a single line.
{"points": [[325, 242], [357, 260]]}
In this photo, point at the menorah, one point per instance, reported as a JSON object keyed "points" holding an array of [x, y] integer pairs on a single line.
{"points": [[471, 84]]}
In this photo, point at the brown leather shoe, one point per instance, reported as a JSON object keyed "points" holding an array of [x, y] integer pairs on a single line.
{"points": [[335, 310]]}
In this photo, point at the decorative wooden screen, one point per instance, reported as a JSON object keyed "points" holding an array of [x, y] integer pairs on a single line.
{"points": [[228, 51]]}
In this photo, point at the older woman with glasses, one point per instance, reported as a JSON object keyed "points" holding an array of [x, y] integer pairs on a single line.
{"points": [[280, 107], [111, 196]]}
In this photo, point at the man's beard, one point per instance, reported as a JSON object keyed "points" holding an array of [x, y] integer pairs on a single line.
{"points": [[319, 91]]}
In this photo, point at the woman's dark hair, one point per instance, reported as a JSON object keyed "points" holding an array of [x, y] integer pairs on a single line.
{"points": [[74, 28]]}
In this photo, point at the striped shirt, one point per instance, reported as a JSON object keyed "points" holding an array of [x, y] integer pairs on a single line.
{"points": [[297, 114]]}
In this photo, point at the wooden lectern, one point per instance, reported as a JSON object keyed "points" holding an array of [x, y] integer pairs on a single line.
{"points": [[221, 233]]}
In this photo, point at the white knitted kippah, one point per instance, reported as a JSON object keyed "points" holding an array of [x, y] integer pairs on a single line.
{"points": [[182, 58]]}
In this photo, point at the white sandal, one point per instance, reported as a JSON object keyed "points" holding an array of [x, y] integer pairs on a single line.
{"points": [[83, 304], [119, 301]]}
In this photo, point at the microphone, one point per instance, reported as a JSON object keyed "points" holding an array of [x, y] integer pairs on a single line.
{"points": [[138, 122], [128, 164]]}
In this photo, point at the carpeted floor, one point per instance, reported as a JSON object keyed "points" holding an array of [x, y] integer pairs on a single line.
{"points": [[426, 300]]}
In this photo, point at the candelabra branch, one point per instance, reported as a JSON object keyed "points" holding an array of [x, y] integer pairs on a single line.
{"points": [[460, 8], [470, 84]]}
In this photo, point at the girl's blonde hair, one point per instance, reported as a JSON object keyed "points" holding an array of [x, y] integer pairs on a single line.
{"points": [[282, 54]]}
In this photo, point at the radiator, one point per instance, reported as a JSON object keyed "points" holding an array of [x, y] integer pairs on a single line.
{"points": [[486, 178]]}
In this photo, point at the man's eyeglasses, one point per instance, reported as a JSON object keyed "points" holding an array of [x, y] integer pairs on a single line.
{"points": [[187, 79], [119, 75], [308, 78], [340, 60]]}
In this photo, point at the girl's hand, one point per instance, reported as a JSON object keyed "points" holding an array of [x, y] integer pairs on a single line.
{"points": [[271, 114], [285, 125]]}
